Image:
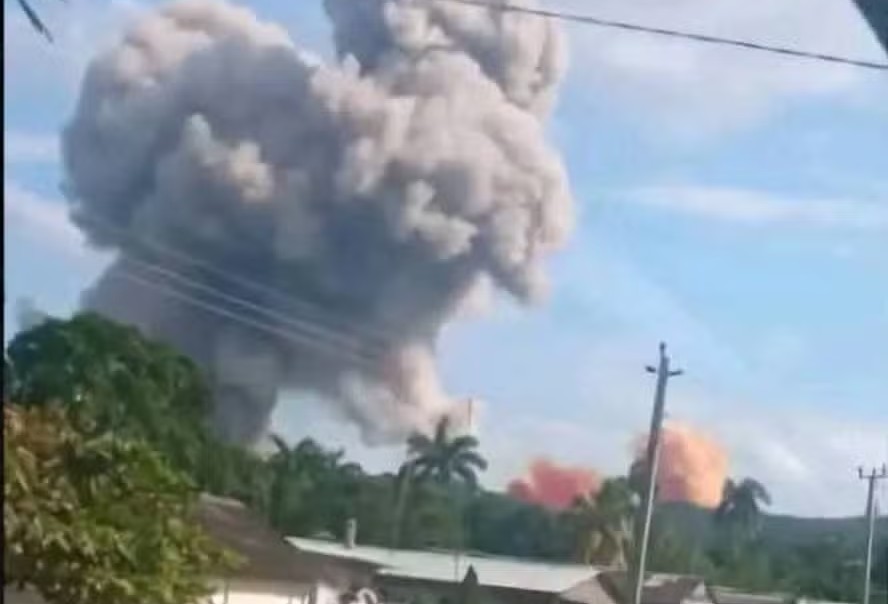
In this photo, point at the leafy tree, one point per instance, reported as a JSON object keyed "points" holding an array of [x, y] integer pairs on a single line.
{"points": [[499, 524], [433, 519], [673, 552], [880, 565], [444, 458], [605, 524], [403, 482], [96, 519], [230, 471], [823, 569], [113, 379], [313, 490]]}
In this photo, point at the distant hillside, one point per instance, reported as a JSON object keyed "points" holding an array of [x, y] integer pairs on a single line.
{"points": [[777, 530]]}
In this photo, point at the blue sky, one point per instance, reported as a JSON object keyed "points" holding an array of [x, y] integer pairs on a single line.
{"points": [[732, 203]]}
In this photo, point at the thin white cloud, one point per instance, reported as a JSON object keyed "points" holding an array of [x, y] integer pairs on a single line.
{"points": [[761, 208], [45, 220], [684, 89], [30, 148], [806, 456]]}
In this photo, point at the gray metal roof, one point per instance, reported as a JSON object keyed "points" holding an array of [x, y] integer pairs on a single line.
{"points": [[448, 567], [264, 553]]}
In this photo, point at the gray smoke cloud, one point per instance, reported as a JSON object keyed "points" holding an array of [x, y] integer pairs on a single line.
{"points": [[370, 197]]}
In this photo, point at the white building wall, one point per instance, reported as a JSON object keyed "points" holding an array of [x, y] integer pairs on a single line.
{"points": [[246, 592]]}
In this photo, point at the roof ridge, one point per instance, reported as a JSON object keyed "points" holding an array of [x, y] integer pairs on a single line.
{"points": [[451, 552]]}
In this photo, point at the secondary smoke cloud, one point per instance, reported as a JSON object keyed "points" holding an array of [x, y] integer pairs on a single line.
{"points": [[553, 485], [693, 467], [379, 191]]}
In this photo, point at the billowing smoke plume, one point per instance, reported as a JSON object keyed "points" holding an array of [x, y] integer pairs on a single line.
{"points": [[553, 485], [375, 193], [693, 467]]}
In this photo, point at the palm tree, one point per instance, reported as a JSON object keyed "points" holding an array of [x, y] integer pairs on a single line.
{"points": [[606, 524], [284, 464], [740, 509], [443, 458]]}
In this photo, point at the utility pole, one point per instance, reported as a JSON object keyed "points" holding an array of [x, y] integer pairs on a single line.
{"points": [[873, 477], [663, 372]]}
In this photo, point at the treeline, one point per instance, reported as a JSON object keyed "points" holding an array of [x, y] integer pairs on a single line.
{"points": [[108, 379]]}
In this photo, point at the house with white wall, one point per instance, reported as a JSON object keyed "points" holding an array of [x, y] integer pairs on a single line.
{"points": [[273, 572], [432, 577]]}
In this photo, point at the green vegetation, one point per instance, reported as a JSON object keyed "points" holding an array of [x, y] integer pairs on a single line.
{"points": [[604, 524], [97, 520], [445, 458], [111, 379], [108, 478], [740, 510]]}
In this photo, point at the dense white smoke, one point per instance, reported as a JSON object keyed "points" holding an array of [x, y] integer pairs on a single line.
{"points": [[369, 197]]}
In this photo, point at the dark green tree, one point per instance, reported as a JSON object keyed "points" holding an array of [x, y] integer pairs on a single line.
{"points": [[445, 458], [604, 524], [113, 379], [740, 508]]}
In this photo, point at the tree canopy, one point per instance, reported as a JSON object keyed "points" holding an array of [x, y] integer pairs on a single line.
{"points": [[445, 457], [83, 380], [110, 377], [740, 508], [97, 519]]}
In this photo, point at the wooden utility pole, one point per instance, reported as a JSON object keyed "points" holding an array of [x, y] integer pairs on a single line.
{"points": [[663, 372], [872, 477]]}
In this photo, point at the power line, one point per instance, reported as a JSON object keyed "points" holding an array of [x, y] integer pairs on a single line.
{"points": [[259, 325], [319, 314], [672, 33], [308, 329]]}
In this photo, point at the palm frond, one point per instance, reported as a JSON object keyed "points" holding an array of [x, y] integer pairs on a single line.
{"points": [[758, 490], [467, 474], [463, 442], [280, 444], [472, 458]]}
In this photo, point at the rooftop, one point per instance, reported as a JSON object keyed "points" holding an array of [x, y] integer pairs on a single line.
{"points": [[266, 555], [449, 567], [659, 588]]}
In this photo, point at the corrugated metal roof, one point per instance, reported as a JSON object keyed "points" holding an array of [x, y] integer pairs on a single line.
{"points": [[447, 567]]}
